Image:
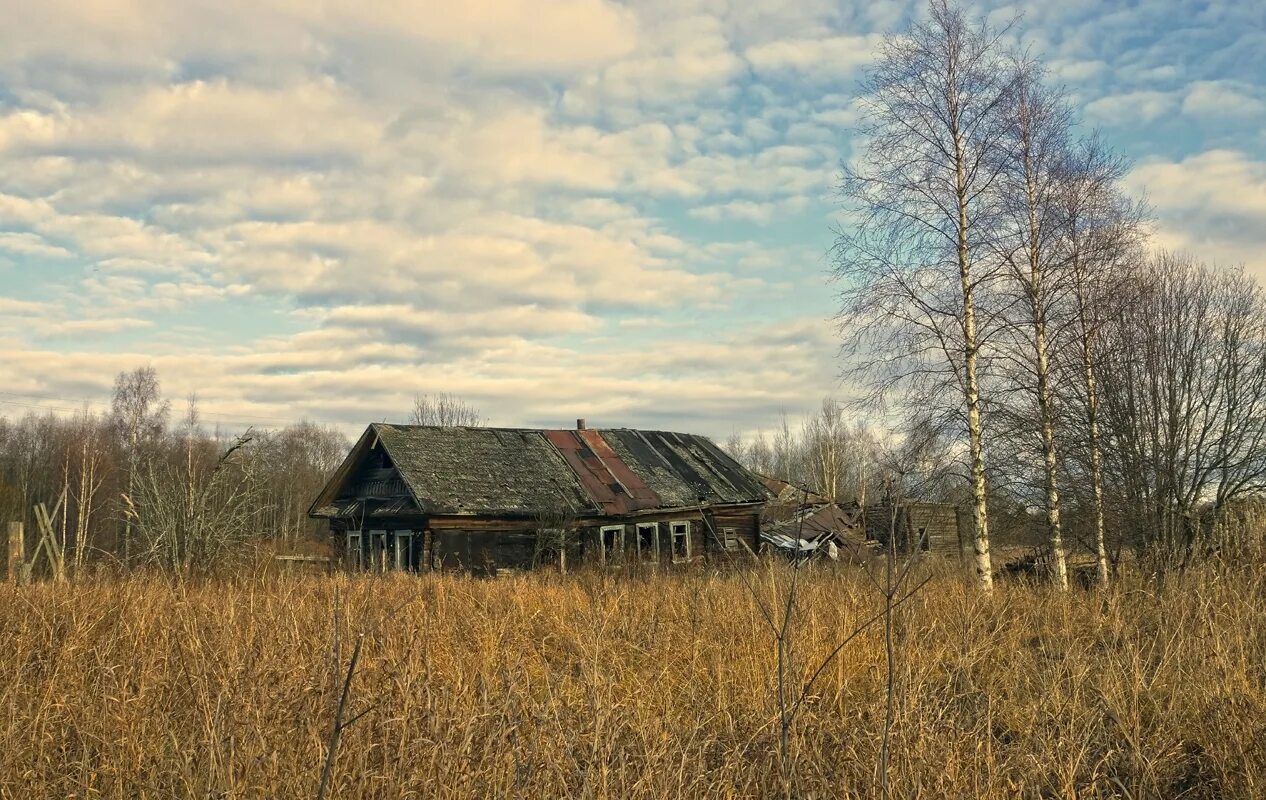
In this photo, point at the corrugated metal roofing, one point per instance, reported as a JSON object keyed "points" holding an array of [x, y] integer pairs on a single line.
{"points": [[525, 472]]}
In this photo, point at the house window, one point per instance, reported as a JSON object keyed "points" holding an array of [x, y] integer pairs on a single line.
{"points": [[404, 550], [353, 555], [681, 541], [612, 543], [378, 551], [648, 541], [729, 538]]}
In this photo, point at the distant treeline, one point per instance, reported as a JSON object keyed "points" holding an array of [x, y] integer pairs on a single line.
{"points": [[130, 487]]}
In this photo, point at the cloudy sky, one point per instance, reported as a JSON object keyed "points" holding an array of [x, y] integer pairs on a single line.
{"points": [[555, 209]]}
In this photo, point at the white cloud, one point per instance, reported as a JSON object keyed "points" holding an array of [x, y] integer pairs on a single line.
{"points": [[149, 35], [827, 59], [213, 121], [83, 327], [1131, 108], [30, 244], [23, 308], [1212, 203], [686, 56], [750, 211], [1221, 99]]}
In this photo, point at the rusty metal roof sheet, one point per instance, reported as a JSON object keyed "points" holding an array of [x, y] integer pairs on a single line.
{"points": [[685, 469], [524, 472], [607, 480]]}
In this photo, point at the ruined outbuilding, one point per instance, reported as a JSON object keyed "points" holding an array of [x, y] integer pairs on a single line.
{"points": [[488, 500], [940, 528]]}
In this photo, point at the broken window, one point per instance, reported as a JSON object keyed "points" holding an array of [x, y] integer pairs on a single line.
{"points": [[729, 538], [648, 540], [352, 556], [404, 550], [681, 541], [612, 543], [378, 551]]}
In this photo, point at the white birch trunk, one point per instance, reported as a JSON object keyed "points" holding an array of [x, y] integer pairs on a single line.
{"points": [[1050, 460], [1092, 421], [1096, 458], [971, 392], [1059, 564]]}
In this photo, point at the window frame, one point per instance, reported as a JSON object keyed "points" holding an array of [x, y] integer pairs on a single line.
{"points": [[729, 539], [354, 558], [379, 563], [404, 537], [653, 548], [685, 534], [617, 543]]}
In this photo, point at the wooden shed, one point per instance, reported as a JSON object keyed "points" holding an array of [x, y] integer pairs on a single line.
{"points": [[488, 500], [939, 528]]}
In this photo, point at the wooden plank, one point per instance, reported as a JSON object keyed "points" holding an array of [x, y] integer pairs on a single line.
{"points": [[16, 552], [48, 540]]}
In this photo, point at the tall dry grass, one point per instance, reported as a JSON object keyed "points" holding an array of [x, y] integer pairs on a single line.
{"points": [[610, 687]]}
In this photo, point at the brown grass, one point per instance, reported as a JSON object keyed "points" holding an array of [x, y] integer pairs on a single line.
{"points": [[606, 687]]}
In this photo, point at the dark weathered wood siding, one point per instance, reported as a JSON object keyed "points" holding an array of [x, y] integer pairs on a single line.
{"points": [[746, 525], [937, 526], [488, 546]]}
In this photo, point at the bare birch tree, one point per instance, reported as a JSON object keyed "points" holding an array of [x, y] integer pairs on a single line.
{"points": [[912, 259], [139, 415], [1038, 122], [1102, 231], [91, 478]]}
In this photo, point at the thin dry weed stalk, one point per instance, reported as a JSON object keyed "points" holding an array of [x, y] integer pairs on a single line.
{"points": [[594, 686]]}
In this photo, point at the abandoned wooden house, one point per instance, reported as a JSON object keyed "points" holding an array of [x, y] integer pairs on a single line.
{"points": [[488, 500]]}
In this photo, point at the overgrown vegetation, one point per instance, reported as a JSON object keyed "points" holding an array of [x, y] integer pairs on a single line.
{"points": [[136, 490], [592, 686]]}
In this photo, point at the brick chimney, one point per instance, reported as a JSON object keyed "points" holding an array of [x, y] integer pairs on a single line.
{"points": [[580, 424]]}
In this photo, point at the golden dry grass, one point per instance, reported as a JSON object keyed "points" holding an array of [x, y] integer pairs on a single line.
{"points": [[612, 687]]}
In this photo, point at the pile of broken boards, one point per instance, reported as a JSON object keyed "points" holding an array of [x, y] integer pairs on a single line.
{"points": [[827, 530]]}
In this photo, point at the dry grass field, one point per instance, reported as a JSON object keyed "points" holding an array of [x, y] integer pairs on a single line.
{"points": [[594, 686]]}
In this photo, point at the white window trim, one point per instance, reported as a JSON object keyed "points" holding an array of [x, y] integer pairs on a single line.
{"points": [[654, 546], [673, 533], [617, 542], [358, 561], [375, 535], [403, 538]]}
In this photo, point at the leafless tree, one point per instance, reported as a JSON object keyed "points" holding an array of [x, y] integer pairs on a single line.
{"points": [[838, 458], [445, 410], [913, 260], [139, 415], [1038, 124], [92, 468], [1182, 386], [297, 461], [1102, 232], [557, 535], [200, 513]]}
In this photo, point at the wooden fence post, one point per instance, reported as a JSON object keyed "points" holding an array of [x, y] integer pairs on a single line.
{"points": [[17, 552]]}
